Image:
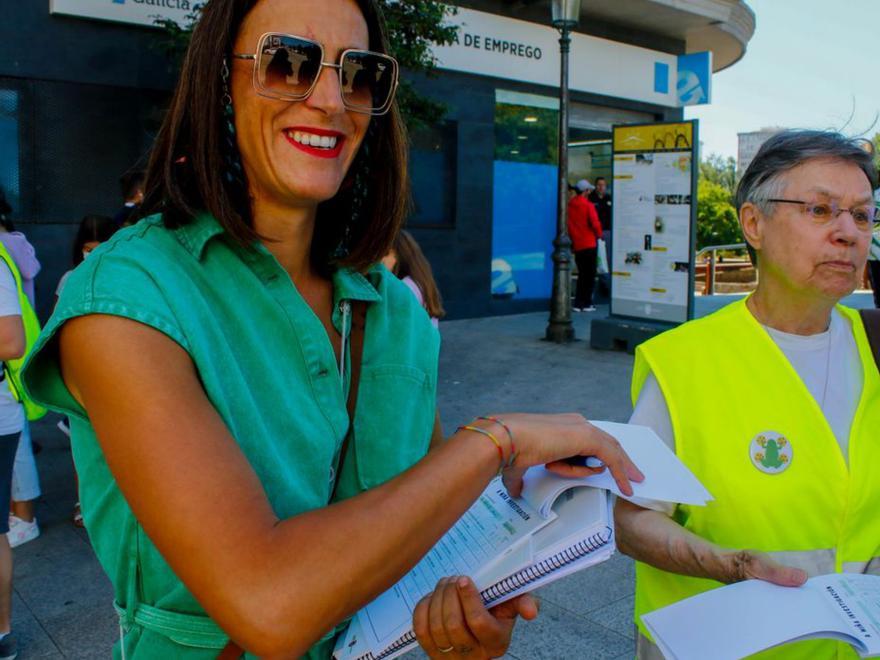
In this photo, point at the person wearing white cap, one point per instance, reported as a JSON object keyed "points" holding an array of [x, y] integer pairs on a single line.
{"points": [[584, 228]]}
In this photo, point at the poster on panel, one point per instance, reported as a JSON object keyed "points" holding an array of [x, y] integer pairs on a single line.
{"points": [[654, 221]]}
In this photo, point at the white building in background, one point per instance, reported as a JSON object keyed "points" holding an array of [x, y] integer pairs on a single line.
{"points": [[749, 143]]}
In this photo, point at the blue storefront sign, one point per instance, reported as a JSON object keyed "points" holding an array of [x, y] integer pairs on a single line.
{"points": [[694, 85]]}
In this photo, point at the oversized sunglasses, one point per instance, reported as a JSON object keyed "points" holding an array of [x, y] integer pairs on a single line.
{"points": [[287, 67]]}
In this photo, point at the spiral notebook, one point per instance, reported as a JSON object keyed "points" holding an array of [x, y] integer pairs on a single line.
{"points": [[508, 546]]}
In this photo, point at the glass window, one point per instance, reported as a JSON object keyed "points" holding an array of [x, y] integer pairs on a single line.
{"points": [[589, 155], [526, 134], [433, 152], [9, 151], [525, 178]]}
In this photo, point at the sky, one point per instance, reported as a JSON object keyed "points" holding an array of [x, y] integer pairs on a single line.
{"points": [[810, 64]]}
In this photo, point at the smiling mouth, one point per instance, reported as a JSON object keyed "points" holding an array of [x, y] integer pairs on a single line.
{"points": [[324, 144]]}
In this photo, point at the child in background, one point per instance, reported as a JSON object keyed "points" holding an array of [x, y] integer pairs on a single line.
{"points": [[93, 230], [21, 251], [407, 261]]}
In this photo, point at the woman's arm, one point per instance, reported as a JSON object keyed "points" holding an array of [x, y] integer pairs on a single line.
{"points": [[437, 437], [654, 538], [12, 341], [276, 586]]}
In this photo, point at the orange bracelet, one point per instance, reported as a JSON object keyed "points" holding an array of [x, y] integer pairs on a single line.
{"points": [[512, 458], [491, 436]]}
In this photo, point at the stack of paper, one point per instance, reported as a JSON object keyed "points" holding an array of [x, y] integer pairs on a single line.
{"points": [[747, 617]]}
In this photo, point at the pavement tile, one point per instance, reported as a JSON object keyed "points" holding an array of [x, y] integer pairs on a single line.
{"points": [[594, 588], [74, 582], [33, 641], [558, 634], [618, 616], [83, 632]]}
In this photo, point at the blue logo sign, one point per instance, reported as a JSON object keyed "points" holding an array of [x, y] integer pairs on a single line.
{"points": [[118, 2], [661, 78], [694, 84]]}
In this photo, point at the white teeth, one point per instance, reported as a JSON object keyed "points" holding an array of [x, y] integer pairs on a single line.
{"points": [[310, 140]]}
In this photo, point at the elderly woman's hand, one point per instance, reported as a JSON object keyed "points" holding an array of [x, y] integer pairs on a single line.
{"points": [[739, 565], [452, 622]]}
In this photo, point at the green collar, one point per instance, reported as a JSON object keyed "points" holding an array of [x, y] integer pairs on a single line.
{"points": [[351, 285], [197, 232], [347, 284]]}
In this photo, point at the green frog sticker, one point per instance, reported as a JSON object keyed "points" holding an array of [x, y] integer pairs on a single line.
{"points": [[770, 452]]}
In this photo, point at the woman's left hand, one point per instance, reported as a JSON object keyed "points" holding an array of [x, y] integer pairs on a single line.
{"points": [[452, 622]]}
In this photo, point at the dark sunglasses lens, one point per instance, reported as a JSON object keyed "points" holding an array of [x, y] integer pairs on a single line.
{"points": [[367, 80], [288, 66]]}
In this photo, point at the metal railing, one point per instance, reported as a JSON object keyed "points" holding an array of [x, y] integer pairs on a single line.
{"points": [[709, 288]]}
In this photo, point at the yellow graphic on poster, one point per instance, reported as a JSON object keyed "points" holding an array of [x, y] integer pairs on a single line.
{"points": [[654, 137]]}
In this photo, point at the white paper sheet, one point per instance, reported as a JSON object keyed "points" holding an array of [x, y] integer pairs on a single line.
{"points": [[666, 477], [742, 619]]}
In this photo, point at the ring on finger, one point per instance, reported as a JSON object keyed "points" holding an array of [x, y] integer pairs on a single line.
{"points": [[447, 650]]}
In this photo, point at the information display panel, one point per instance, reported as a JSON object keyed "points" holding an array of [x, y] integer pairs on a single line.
{"points": [[653, 229]]}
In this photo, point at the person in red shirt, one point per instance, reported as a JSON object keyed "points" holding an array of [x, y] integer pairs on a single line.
{"points": [[584, 228]]}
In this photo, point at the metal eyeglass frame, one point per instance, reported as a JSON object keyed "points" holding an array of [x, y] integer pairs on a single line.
{"points": [[262, 91], [835, 211]]}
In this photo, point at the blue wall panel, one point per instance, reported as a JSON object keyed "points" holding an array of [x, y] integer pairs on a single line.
{"points": [[523, 228]]}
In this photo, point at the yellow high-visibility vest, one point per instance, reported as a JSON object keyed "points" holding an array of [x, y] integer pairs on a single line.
{"points": [[12, 368], [731, 391]]}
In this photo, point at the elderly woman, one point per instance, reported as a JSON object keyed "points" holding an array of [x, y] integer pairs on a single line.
{"points": [[773, 402], [210, 358]]}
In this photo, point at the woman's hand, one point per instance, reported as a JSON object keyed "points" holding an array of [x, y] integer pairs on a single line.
{"points": [[452, 622], [550, 439]]}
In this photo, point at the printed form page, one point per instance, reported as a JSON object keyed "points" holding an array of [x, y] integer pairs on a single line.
{"points": [[493, 526]]}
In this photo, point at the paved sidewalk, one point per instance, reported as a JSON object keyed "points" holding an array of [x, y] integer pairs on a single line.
{"points": [[62, 602]]}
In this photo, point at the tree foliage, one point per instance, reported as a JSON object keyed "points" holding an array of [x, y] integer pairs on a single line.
{"points": [[717, 222], [720, 170], [414, 26]]}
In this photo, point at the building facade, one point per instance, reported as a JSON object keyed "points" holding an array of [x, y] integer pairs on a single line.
{"points": [[84, 83], [748, 145]]}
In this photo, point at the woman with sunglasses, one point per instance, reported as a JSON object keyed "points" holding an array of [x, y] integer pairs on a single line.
{"points": [[205, 359]]}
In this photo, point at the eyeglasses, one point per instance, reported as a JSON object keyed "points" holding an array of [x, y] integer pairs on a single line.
{"points": [[865, 217], [287, 68]]}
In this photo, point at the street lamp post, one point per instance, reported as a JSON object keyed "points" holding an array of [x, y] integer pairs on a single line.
{"points": [[566, 14]]}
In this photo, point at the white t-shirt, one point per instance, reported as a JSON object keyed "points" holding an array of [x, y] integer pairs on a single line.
{"points": [[828, 363], [11, 411]]}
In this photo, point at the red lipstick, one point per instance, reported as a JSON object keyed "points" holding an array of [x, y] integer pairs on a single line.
{"points": [[318, 152]]}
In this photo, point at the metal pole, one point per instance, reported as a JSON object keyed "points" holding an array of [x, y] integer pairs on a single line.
{"points": [[560, 329], [712, 273]]}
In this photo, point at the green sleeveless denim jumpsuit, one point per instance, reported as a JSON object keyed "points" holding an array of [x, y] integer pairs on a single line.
{"points": [[268, 367]]}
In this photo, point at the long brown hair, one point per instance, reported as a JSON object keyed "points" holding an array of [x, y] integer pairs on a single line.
{"points": [[411, 262], [188, 172]]}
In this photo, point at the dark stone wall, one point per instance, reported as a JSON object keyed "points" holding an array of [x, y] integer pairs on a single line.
{"points": [[37, 45], [91, 98]]}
